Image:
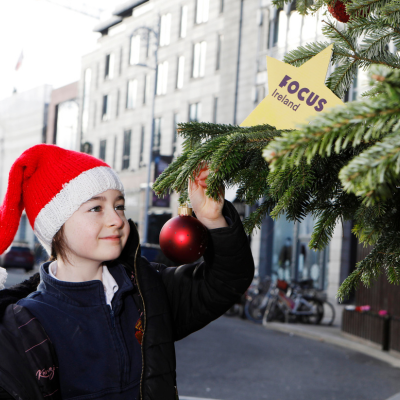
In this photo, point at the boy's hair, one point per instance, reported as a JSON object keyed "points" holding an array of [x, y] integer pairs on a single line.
{"points": [[59, 246]]}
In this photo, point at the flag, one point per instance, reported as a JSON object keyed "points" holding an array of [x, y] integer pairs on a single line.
{"points": [[19, 62]]}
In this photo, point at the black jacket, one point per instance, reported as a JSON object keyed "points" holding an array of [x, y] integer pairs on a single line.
{"points": [[176, 302]]}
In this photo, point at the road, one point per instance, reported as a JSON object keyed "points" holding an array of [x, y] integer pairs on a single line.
{"points": [[233, 359], [18, 275]]}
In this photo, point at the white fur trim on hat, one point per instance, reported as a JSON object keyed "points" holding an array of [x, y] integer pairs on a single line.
{"points": [[3, 277], [74, 193]]}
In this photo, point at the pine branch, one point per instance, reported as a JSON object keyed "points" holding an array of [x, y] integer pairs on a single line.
{"points": [[375, 173]]}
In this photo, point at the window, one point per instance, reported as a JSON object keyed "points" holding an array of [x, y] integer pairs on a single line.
{"points": [[199, 59], [131, 94], [175, 136], [180, 72], [157, 135], [65, 126], [309, 27], [126, 149], [165, 30], [94, 113], [184, 15], [117, 106], [109, 67], [294, 24], [102, 151], [121, 57], [264, 29], [86, 99], [115, 151], [215, 110], [282, 23], [134, 50], [146, 88], [141, 159], [104, 114], [221, 6], [276, 26], [195, 112], [202, 11], [97, 75], [162, 78], [219, 46]]}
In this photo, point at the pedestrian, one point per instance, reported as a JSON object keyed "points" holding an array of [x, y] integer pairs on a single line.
{"points": [[99, 321]]}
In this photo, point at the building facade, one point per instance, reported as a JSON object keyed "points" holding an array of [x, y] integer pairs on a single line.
{"points": [[205, 71], [23, 123]]}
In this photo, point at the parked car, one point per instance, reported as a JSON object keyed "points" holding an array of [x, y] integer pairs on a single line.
{"points": [[18, 255]]}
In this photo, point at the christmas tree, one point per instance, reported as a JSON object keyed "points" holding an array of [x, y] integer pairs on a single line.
{"points": [[344, 165]]}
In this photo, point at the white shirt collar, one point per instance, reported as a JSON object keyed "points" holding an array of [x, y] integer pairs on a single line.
{"points": [[109, 283]]}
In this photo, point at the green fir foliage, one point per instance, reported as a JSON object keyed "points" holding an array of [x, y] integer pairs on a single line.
{"points": [[343, 165]]}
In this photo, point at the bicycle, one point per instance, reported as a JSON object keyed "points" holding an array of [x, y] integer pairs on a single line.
{"points": [[301, 304], [257, 300]]}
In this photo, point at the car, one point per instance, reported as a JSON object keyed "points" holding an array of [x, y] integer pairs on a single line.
{"points": [[18, 255]]}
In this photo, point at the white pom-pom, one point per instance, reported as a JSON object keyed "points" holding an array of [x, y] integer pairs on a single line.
{"points": [[3, 277]]}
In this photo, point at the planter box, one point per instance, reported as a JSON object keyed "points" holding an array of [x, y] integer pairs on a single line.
{"points": [[367, 326]]}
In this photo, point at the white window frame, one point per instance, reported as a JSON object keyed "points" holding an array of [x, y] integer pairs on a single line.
{"points": [[165, 30], [105, 114], [134, 55], [199, 59], [180, 72], [162, 78], [202, 9], [195, 108], [111, 65], [184, 18], [131, 94]]}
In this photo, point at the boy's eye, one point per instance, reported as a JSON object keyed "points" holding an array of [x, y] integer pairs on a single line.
{"points": [[119, 208]]}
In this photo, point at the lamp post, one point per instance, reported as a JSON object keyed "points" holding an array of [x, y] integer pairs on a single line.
{"points": [[147, 200]]}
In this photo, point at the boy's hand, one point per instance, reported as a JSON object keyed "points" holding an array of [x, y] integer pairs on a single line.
{"points": [[208, 211]]}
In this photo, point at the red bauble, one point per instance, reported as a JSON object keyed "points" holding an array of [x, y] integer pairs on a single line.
{"points": [[183, 239], [338, 11]]}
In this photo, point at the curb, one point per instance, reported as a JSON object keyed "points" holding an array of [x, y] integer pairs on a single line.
{"points": [[199, 398], [338, 340], [395, 397]]}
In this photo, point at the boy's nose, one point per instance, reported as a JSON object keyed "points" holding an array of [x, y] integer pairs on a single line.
{"points": [[113, 219]]}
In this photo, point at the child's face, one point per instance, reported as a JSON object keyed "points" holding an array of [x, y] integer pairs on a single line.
{"points": [[90, 229]]}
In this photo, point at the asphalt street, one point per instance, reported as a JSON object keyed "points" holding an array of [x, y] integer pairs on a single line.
{"points": [[233, 359], [18, 275]]}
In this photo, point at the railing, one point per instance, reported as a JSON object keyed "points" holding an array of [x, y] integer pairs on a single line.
{"points": [[372, 327]]}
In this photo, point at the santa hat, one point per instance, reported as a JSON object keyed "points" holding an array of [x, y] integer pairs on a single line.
{"points": [[51, 183]]}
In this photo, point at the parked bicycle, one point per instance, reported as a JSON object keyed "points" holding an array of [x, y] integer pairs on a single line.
{"points": [[257, 300], [298, 302]]}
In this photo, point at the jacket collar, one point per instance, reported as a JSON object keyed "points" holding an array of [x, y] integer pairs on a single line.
{"points": [[84, 294]]}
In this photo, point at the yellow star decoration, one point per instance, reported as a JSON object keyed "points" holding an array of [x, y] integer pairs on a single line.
{"points": [[294, 94]]}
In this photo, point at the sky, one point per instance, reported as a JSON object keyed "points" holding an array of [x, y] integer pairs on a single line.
{"points": [[52, 39]]}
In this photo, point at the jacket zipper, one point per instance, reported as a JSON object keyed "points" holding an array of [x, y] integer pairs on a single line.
{"points": [[121, 352], [144, 319]]}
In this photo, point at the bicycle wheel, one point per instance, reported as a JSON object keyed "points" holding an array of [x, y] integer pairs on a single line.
{"points": [[318, 314], [252, 308], [273, 312], [329, 313], [232, 312]]}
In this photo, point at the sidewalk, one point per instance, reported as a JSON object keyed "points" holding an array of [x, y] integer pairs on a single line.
{"points": [[334, 335]]}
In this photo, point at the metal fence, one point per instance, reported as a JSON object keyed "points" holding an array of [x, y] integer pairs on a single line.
{"points": [[372, 327]]}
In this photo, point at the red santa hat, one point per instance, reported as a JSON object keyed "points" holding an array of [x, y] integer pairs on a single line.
{"points": [[51, 183]]}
